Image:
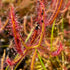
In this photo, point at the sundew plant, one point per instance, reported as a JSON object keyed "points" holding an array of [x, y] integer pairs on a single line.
{"points": [[34, 34]]}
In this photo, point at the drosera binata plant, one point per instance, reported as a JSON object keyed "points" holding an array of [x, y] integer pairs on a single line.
{"points": [[17, 36], [35, 38]]}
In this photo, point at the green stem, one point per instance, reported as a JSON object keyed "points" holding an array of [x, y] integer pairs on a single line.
{"points": [[63, 37], [62, 27], [52, 35], [7, 67], [41, 60], [18, 63]]}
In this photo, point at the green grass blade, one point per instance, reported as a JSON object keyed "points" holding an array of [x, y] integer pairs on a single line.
{"points": [[52, 35], [41, 60]]}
